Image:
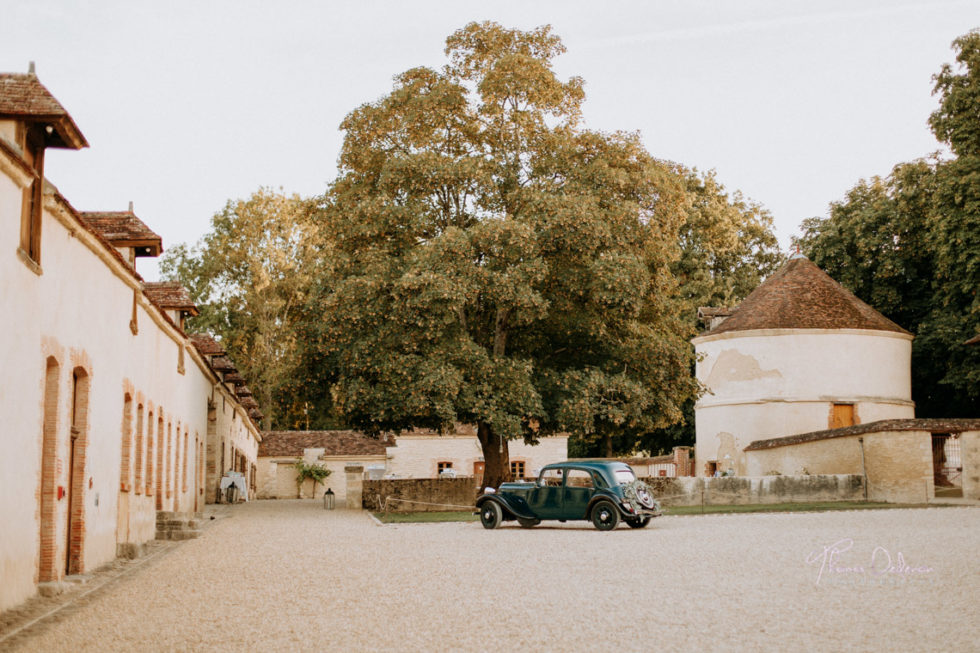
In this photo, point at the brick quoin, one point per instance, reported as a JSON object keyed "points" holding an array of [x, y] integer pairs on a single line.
{"points": [[127, 443], [160, 468], [47, 565], [79, 481], [169, 461], [139, 450], [149, 455]]}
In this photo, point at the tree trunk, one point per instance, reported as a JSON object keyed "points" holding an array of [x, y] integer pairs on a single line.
{"points": [[496, 456], [607, 448]]}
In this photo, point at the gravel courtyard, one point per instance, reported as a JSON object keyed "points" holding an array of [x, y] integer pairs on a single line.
{"points": [[287, 575]]}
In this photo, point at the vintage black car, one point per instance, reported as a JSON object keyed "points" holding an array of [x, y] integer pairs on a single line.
{"points": [[603, 492]]}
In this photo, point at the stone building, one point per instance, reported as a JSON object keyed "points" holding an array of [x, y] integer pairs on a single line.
{"points": [[804, 378], [108, 405], [800, 354], [413, 454]]}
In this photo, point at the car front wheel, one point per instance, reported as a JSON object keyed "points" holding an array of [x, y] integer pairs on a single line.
{"points": [[491, 515], [605, 517]]}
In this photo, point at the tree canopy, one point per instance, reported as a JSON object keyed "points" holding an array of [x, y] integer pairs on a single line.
{"points": [[909, 245], [251, 276], [497, 263]]}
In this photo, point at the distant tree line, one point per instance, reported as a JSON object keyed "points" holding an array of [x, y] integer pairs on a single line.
{"points": [[909, 245]]}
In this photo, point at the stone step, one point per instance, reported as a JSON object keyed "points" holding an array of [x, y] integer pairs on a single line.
{"points": [[178, 535]]}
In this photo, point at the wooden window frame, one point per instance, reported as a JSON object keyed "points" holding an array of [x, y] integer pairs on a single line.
{"points": [[31, 204], [832, 422]]}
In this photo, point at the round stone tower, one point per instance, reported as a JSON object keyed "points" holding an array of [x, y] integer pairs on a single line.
{"points": [[800, 354]]}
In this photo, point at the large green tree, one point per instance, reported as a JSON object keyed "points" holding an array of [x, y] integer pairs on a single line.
{"points": [[909, 245], [727, 242], [498, 264], [727, 248], [250, 276]]}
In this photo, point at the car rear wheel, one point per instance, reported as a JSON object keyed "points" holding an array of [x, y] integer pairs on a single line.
{"points": [[528, 523], [605, 517], [639, 522], [491, 515]]}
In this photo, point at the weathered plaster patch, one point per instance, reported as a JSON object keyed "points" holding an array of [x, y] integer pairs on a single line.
{"points": [[735, 366], [726, 451]]}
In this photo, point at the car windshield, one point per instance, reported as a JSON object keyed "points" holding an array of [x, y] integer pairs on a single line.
{"points": [[625, 476]]}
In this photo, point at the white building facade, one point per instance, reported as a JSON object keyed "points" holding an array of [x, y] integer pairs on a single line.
{"points": [[106, 400]]}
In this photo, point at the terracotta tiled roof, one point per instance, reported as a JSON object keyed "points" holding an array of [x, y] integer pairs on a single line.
{"points": [[170, 295], [255, 414], [207, 345], [930, 425], [334, 443], [234, 377], [222, 364], [248, 402], [243, 391], [799, 295], [124, 229], [23, 96]]}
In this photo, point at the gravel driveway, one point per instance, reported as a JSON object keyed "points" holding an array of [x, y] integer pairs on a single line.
{"points": [[286, 575]]}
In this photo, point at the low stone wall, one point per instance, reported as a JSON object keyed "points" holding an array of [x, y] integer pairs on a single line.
{"points": [[420, 494], [436, 495], [740, 490]]}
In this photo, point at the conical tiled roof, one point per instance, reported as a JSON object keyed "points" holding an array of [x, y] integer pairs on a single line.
{"points": [[799, 295]]}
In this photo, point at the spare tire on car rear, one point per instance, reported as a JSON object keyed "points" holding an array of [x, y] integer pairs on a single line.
{"points": [[641, 493]]}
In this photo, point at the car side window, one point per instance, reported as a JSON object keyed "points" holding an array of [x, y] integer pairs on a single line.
{"points": [[579, 478], [550, 478]]}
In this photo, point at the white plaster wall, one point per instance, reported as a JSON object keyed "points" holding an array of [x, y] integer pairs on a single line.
{"points": [[79, 311], [277, 478], [20, 397], [804, 363], [417, 456], [727, 430], [774, 383]]}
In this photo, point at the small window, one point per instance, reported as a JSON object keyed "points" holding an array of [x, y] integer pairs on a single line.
{"points": [[842, 415], [443, 466], [579, 478], [517, 469], [550, 478]]}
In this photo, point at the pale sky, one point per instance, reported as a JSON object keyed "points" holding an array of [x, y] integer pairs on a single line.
{"points": [[189, 104]]}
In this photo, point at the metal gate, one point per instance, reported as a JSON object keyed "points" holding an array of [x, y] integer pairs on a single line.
{"points": [[947, 464]]}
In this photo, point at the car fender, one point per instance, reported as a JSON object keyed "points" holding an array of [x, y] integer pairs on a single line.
{"points": [[510, 510], [613, 499]]}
